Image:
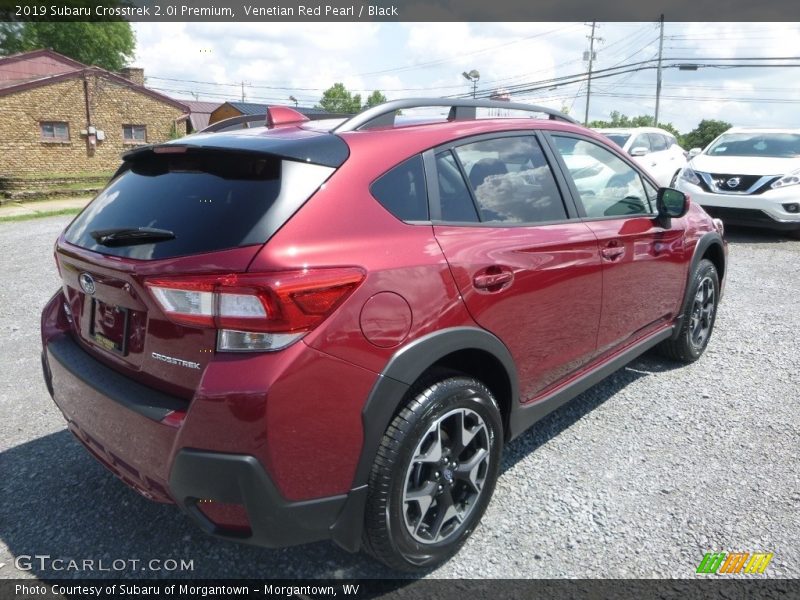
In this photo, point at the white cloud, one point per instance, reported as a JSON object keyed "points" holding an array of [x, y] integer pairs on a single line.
{"points": [[416, 59]]}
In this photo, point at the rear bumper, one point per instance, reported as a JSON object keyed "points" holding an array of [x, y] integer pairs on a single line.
{"points": [[118, 420]]}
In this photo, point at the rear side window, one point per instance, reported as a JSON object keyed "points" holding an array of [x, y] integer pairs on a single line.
{"points": [[402, 191], [209, 200], [618, 138], [642, 141], [658, 142], [454, 196], [512, 181]]}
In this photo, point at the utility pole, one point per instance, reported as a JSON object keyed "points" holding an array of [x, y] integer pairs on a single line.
{"points": [[589, 82], [243, 96], [658, 76]]}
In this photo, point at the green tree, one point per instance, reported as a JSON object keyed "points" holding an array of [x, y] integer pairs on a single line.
{"points": [[705, 132], [109, 45], [337, 99], [374, 99]]}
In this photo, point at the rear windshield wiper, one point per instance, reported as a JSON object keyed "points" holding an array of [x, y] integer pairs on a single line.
{"points": [[130, 236]]}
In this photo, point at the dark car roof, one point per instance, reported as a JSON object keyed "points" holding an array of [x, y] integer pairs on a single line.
{"points": [[309, 144], [295, 143]]}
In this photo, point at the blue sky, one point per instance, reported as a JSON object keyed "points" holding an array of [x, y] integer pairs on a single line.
{"points": [[276, 60]]}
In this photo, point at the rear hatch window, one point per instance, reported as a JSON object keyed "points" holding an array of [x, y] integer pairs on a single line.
{"points": [[194, 201]]}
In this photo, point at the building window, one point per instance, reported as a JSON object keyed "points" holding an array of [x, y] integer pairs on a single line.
{"points": [[54, 131], [134, 134]]}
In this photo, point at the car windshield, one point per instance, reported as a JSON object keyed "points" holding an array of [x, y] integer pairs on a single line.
{"points": [[774, 145], [618, 138]]}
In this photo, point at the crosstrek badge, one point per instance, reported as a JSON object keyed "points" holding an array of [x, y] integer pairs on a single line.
{"points": [[175, 361]]}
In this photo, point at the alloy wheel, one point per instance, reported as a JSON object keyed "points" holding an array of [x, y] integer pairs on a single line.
{"points": [[446, 476], [702, 317]]}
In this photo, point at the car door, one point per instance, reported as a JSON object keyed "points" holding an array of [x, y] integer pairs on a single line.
{"points": [[527, 268], [644, 272]]}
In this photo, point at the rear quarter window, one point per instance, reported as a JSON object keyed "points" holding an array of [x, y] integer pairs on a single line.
{"points": [[402, 191]]}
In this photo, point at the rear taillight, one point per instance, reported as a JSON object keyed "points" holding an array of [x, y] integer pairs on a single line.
{"points": [[254, 311]]}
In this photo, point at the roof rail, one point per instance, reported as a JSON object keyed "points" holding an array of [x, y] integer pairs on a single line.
{"points": [[383, 115]]}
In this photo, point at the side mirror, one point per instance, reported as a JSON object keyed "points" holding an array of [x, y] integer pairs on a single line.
{"points": [[639, 151], [694, 152], [671, 203]]}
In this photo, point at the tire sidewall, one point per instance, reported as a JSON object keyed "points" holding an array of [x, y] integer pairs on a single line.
{"points": [[457, 392], [704, 269]]}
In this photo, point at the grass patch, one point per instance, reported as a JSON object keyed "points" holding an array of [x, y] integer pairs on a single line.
{"points": [[105, 175], [39, 215]]}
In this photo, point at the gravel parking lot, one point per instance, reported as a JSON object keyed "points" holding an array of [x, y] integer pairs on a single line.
{"points": [[638, 477]]}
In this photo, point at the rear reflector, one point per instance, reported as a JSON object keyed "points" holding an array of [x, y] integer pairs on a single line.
{"points": [[246, 307], [174, 418], [227, 516]]}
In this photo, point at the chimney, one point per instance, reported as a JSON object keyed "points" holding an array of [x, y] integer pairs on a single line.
{"points": [[133, 74]]}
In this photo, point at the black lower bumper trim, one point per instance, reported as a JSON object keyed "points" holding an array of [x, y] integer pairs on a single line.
{"points": [[240, 479], [750, 217]]}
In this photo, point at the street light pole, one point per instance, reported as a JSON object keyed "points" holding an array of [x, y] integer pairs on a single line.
{"points": [[473, 76], [589, 80], [658, 76]]}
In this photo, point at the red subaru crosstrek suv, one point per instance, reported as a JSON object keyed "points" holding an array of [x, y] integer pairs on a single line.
{"points": [[329, 330]]}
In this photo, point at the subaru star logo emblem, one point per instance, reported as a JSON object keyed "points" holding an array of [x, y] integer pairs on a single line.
{"points": [[733, 182], [87, 283]]}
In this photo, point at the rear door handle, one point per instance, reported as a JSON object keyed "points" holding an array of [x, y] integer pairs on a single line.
{"points": [[493, 279]]}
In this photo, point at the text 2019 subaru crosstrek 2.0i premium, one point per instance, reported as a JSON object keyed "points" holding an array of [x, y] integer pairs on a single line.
{"points": [[329, 330]]}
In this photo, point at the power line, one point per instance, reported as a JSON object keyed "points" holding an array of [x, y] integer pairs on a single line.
{"points": [[427, 64]]}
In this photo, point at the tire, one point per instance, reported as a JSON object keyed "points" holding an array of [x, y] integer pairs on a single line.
{"points": [[410, 483], [699, 316], [674, 179]]}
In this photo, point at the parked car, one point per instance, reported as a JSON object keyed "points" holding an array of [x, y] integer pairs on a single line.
{"points": [[656, 150], [300, 333], [748, 177]]}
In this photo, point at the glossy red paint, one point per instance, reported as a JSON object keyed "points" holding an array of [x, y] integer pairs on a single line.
{"points": [[548, 317], [562, 297], [644, 273], [281, 116], [121, 282], [386, 319]]}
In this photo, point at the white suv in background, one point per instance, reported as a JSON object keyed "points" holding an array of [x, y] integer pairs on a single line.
{"points": [[748, 176], [656, 150]]}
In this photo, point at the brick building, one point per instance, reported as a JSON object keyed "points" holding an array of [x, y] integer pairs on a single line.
{"points": [[60, 116], [237, 109]]}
